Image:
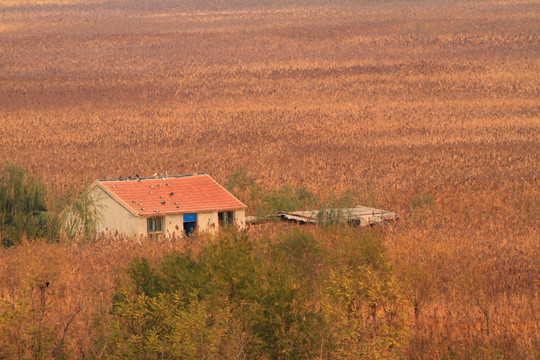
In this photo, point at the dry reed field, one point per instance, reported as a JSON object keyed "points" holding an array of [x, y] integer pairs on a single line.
{"points": [[429, 109]]}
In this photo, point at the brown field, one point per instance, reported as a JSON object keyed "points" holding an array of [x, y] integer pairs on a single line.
{"points": [[390, 99]]}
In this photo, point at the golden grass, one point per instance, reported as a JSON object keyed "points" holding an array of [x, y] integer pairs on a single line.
{"points": [[393, 99]]}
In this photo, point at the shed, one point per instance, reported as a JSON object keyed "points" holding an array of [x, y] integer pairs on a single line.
{"points": [[357, 216], [165, 206]]}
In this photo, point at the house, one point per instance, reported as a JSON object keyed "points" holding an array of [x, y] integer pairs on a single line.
{"points": [[165, 206]]}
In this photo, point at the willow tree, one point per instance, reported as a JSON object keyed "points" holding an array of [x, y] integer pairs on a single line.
{"points": [[23, 207]]}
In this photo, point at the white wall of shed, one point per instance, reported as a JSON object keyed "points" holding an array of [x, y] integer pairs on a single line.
{"points": [[240, 219], [142, 226], [170, 224], [114, 218], [207, 222]]}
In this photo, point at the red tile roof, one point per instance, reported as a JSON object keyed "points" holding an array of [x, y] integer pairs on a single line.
{"points": [[173, 195]]}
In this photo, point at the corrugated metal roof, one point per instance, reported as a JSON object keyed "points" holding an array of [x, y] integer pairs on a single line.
{"points": [[357, 216], [173, 194]]}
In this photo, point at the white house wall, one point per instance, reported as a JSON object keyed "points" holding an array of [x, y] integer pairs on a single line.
{"points": [[142, 226], [240, 219], [114, 217], [207, 222], [173, 225]]}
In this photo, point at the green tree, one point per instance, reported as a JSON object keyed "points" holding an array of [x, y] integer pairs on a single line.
{"points": [[23, 207], [291, 324], [190, 306], [244, 188], [286, 297], [80, 216], [363, 300]]}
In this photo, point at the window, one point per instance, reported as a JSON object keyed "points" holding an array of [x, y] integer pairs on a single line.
{"points": [[190, 223], [154, 224], [226, 218], [189, 228]]}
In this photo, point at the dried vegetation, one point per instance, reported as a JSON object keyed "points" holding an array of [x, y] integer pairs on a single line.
{"points": [[429, 109]]}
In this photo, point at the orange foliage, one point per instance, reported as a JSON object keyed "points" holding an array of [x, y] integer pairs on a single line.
{"points": [[391, 99]]}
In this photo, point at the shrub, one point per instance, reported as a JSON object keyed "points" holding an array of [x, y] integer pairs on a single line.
{"points": [[421, 201], [286, 199], [288, 298], [364, 301], [23, 207], [80, 215]]}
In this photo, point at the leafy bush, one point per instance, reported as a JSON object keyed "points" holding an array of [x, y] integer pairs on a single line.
{"points": [[25, 211], [80, 215], [283, 199], [23, 207], [421, 201], [365, 301], [286, 199], [285, 298], [244, 188]]}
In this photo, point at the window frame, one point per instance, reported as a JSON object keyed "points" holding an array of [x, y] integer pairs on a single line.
{"points": [[225, 218], [152, 225]]}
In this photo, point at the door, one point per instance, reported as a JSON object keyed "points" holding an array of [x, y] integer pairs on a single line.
{"points": [[190, 224]]}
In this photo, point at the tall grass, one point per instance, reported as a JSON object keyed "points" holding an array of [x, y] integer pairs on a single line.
{"points": [[428, 111]]}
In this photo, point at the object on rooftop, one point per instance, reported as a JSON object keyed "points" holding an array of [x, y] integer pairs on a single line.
{"points": [[197, 203], [357, 216]]}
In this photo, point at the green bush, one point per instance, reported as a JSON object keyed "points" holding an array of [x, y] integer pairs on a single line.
{"points": [[281, 298], [244, 188], [421, 201], [80, 215], [290, 323], [286, 199], [23, 207]]}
